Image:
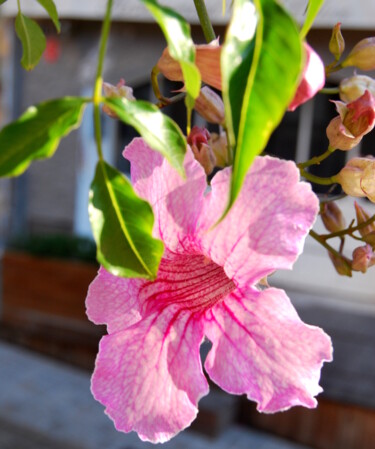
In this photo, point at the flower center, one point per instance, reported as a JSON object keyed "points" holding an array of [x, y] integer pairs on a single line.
{"points": [[193, 282]]}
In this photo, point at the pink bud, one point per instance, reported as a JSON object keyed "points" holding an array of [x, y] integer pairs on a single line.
{"points": [[198, 140], [207, 59], [362, 55], [355, 86], [338, 136], [363, 258], [357, 178], [332, 217], [360, 116], [312, 80]]}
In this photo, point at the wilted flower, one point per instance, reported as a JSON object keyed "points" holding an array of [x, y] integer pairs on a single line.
{"points": [[198, 140], [332, 217], [363, 258], [210, 106], [118, 91], [219, 145], [362, 55], [355, 86], [356, 119], [313, 78], [207, 59], [357, 178], [148, 371]]}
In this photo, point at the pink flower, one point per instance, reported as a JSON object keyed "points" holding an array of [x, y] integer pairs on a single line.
{"points": [[313, 78], [148, 371]]}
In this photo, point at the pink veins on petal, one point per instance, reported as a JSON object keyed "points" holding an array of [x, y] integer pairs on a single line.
{"points": [[148, 371]]}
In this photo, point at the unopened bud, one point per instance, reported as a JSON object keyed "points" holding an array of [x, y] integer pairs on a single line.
{"points": [[342, 264], [360, 115], [118, 91], [354, 87], [312, 80], [357, 178], [219, 145], [363, 258], [370, 239], [337, 43], [198, 140], [207, 59], [332, 217], [210, 106], [362, 55], [362, 217], [338, 136]]}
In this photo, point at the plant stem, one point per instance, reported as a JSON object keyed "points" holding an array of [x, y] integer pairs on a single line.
{"points": [[97, 94], [317, 179], [329, 90], [322, 241], [349, 230], [317, 159], [204, 20]]}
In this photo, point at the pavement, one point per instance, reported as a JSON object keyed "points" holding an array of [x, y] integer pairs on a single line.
{"points": [[45, 404]]}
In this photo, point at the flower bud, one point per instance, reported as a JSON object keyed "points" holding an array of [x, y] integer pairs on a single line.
{"points": [[341, 264], [118, 91], [355, 86], [357, 178], [362, 55], [219, 145], [210, 106], [338, 136], [370, 239], [363, 258], [363, 216], [207, 59], [360, 115], [312, 80], [198, 140], [332, 217], [337, 43]]}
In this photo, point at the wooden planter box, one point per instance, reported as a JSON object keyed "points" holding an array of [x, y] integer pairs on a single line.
{"points": [[43, 306]]}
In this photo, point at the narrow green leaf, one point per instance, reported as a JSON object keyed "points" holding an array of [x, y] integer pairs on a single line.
{"points": [[159, 131], [122, 226], [180, 45], [32, 39], [50, 7], [261, 63], [312, 11], [37, 133]]}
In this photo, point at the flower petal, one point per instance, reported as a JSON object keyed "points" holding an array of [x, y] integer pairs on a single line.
{"points": [[150, 377], [176, 202], [263, 349], [266, 228], [113, 301]]}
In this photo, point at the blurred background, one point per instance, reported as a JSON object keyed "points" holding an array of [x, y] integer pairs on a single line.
{"points": [[47, 345]]}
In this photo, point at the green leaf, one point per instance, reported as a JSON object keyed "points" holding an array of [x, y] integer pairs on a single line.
{"points": [[122, 226], [180, 45], [50, 7], [261, 63], [159, 131], [2, 1], [312, 11], [37, 133], [32, 39]]}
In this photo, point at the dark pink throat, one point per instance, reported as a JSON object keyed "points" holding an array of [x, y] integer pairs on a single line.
{"points": [[190, 281]]}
